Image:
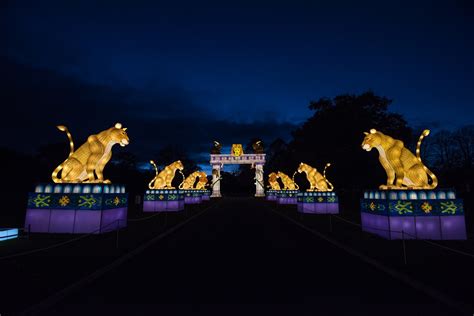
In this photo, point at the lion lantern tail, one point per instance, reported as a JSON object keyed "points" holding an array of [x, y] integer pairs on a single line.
{"points": [[150, 185], [56, 171], [293, 179], [331, 187], [434, 179]]}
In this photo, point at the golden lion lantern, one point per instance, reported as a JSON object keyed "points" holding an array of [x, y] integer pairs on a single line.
{"points": [[163, 179], [288, 183], [317, 181], [202, 183], [273, 182], [404, 170], [237, 150], [188, 183], [86, 164]]}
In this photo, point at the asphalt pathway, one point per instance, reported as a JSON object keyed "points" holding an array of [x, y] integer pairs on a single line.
{"points": [[241, 259]]}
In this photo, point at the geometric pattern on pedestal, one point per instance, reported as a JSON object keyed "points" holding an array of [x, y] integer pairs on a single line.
{"points": [[413, 214]]}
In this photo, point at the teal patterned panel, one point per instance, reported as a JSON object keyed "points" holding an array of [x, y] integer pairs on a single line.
{"points": [[73, 201], [175, 196], [412, 207]]}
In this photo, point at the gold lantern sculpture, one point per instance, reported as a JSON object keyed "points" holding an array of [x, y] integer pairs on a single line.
{"points": [[202, 183], [404, 169], [288, 183], [188, 183], [86, 164], [163, 179], [317, 181], [273, 181]]}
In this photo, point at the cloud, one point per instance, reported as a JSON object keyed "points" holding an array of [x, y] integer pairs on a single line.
{"points": [[39, 99]]}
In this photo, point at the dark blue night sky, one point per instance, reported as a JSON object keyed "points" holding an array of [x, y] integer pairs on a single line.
{"points": [[240, 66]]}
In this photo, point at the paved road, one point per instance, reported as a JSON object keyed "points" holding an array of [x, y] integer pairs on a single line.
{"points": [[241, 258]]}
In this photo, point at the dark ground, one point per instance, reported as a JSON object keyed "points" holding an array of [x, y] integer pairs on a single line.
{"points": [[241, 253], [241, 257]]}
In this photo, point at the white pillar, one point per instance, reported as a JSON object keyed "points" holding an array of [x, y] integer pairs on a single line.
{"points": [[259, 190], [216, 183]]}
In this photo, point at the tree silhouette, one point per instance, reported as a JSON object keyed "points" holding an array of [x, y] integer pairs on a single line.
{"points": [[334, 134]]}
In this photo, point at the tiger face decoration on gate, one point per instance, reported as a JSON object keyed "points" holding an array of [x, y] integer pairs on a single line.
{"points": [[237, 150]]}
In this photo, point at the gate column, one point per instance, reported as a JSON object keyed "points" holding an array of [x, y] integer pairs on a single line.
{"points": [[216, 180], [259, 189]]}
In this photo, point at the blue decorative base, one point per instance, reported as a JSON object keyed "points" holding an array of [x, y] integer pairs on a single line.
{"points": [[287, 196], [413, 214], [76, 208], [318, 203], [163, 201], [192, 196], [206, 195], [271, 195]]}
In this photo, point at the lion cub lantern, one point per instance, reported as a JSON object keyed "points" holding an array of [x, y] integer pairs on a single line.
{"points": [[289, 190], [273, 187], [408, 205], [81, 200], [194, 192], [162, 196], [319, 198]]}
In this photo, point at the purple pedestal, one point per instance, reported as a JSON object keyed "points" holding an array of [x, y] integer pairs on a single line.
{"points": [[206, 195], [318, 203], [37, 220], [413, 214], [286, 200], [163, 206], [271, 195], [286, 196], [76, 208], [163, 201], [192, 196], [375, 224], [62, 221], [192, 199], [75, 221]]}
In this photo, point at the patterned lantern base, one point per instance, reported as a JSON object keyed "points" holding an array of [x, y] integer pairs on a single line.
{"points": [[192, 196], [271, 195], [413, 214], [76, 208], [318, 203], [206, 195], [287, 196], [163, 201]]}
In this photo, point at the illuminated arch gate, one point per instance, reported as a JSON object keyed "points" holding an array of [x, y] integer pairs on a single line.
{"points": [[219, 160]]}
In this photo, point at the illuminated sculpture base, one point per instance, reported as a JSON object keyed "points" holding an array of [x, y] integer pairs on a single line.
{"points": [[192, 196], [206, 195], [271, 195], [163, 201], [76, 209], [413, 214], [318, 203], [287, 196], [8, 233]]}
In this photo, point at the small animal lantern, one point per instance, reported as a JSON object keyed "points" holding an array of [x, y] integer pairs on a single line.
{"points": [[163, 179], [288, 183], [317, 181], [202, 183], [273, 181]]}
